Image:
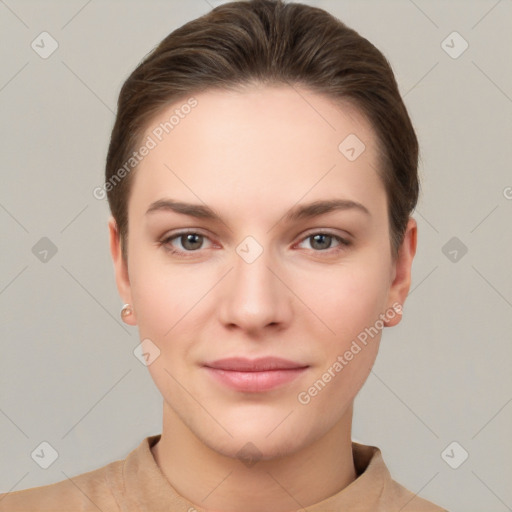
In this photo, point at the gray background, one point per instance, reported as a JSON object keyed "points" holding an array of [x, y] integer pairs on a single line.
{"points": [[68, 373]]}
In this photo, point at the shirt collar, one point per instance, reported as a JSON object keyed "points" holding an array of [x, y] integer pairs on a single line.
{"points": [[147, 489]]}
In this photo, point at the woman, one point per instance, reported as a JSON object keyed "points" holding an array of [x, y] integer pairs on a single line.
{"points": [[261, 175]]}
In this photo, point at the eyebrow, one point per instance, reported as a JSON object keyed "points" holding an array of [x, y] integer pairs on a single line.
{"points": [[300, 212]]}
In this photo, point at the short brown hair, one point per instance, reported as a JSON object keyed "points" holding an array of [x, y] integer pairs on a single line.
{"points": [[270, 42]]}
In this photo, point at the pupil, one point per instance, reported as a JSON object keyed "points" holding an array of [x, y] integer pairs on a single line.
{"points": [[316, 237], [190, 240]]}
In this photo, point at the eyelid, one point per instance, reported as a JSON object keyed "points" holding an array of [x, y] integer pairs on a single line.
{"points": [[326, 231]]}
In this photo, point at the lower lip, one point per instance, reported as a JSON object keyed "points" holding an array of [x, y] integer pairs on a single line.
{"points": [[255, 382]]}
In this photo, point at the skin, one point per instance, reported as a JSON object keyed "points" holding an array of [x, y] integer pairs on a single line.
{"points": [[252, 156]]}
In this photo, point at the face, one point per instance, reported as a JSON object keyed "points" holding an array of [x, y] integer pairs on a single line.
{"points": [[252, 270]]}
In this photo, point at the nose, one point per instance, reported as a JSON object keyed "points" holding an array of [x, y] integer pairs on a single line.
{"points": [[254, 297]]}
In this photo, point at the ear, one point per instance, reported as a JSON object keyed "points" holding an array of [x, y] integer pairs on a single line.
{"points": [[402, 273], [120, 269]]}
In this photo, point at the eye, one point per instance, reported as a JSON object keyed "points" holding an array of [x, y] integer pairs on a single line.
{"points": [[321, 241], [190, 241]]}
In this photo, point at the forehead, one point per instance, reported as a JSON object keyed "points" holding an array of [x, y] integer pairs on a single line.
{"points": [[263, 144]]}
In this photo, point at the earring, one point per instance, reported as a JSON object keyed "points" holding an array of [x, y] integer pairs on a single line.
{"points": [[126, 310]]}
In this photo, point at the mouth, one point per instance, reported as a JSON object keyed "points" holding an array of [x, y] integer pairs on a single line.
{"points": [[254, 375]]}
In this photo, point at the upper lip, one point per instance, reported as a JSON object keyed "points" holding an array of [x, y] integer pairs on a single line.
{"points": [[242, 364]]}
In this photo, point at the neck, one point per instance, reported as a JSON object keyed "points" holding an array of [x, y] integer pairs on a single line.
{"points": [[214, 481]]}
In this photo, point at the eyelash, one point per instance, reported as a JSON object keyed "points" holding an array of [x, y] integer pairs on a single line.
{"points": [[344, 243]]}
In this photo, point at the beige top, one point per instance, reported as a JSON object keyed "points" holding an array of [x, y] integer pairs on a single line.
{"points": [[137, 484]]}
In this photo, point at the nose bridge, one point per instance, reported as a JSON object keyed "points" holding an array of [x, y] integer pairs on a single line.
{"points": [[255, 297]]}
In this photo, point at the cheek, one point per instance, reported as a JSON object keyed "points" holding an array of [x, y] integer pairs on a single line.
{"points": [[350, 306], [165, 299], [347, 300], [168, 303], [174, 303]]}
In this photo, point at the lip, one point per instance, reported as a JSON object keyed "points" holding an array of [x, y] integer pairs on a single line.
{"points": [[254, 375]]}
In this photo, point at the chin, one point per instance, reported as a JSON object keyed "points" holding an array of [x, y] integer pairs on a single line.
{"points": [[255, 440], [250, 450]]}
